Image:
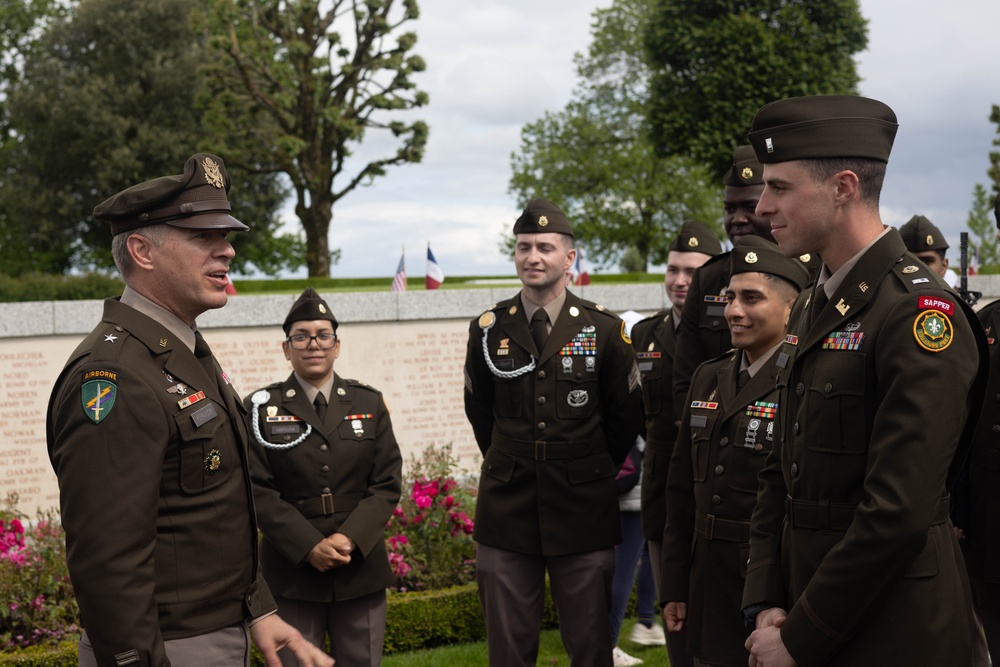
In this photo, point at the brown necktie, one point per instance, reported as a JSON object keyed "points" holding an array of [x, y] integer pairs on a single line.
{"points": [[204, 354], [539, 330], [320, 405], [742, 379]]}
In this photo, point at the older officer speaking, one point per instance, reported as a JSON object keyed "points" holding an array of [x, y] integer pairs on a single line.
{"points": [[552, 392], [149, 442], [852, 556]]}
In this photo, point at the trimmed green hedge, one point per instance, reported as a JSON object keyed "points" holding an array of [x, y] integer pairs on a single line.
{"points": [[414, 621]]}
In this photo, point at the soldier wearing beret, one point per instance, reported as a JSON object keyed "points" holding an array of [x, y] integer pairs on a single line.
{"points": [[702, 333], [726, 433], [327, 475], [853, 560], [926, 242], [149, 442], [552, 393], [655, 339]]}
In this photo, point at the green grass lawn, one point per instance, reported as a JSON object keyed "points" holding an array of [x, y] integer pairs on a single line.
{"points": [[550, 653]]}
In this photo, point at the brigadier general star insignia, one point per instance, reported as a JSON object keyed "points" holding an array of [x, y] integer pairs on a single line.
{"points": [[110, 338]]}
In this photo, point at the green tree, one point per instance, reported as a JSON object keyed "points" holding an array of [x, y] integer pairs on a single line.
{"points": [[301, 82], [982, 226], [101, 107], [718, 61], [594, 159]]}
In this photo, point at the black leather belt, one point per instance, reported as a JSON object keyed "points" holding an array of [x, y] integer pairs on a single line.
{"points": [[712, 528], [542, 450], [824, 515], [328, 504]]}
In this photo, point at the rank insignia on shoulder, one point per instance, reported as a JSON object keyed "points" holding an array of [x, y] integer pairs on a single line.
{"points": [[933, 330], [98, 393]]}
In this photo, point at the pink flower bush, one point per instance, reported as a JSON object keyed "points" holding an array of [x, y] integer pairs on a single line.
{"points": [[430, 533], [36, 595]]}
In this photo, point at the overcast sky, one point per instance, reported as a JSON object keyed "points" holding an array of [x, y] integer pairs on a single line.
{"points": [[494, 65]]}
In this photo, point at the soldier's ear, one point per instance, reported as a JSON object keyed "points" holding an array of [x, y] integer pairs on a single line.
{"points": [[141, 250]]}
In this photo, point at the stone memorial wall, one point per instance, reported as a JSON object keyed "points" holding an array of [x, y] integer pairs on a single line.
{"points": [[411, 346]]}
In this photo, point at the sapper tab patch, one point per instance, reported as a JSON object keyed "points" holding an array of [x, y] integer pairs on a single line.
{"points": [[933, 330], [98, 394], [934, 303]]}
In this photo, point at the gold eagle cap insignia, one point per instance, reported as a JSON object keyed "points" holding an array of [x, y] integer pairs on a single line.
{"points": [[212, 173]]}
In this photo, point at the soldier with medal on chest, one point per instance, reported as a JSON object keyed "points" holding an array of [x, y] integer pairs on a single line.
{"points": [[726, 433], [552, 394], [327, 476], [853, 557]]}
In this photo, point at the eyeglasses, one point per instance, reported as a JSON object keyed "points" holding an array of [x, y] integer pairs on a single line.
{"points": [[324, 341]]}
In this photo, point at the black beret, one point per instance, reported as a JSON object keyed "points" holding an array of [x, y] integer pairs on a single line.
{"points": [[823, 126], [752, 254], [920, 234], [541, 216], [746, 169], [696, 237], [195, 199], [308, 307]]}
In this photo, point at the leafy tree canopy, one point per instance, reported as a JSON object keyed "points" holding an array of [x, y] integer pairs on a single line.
{"points": [[594, 159], [717, 62], [100, 108], [294, 87]]}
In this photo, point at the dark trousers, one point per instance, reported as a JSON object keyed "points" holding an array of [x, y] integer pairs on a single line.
{"points": [[512, 593], [356, 628]]}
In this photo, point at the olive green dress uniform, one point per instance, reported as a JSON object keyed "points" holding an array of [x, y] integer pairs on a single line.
{"points": [[553, 438], [654, 339], [343, 477], [855, 494], [149, 442], [982, 534], [725, 436], [851, 532], [151, 455]]}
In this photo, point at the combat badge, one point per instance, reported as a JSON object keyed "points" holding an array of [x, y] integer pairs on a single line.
{"points": [[933, 330], [98, 394], [578, 398]]}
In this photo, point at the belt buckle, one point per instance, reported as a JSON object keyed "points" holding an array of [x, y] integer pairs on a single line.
{"points": [[709, 526], [540, 450], [327, 500]]}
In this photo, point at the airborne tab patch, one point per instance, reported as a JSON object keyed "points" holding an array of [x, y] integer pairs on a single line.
{"points": [[98, 394]]}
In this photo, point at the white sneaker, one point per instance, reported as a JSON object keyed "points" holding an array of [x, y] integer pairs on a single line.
{"points": [[651, 636], [623, 659]]}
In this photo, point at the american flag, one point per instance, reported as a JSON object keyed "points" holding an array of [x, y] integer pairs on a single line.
{"points": [[399, 280]]}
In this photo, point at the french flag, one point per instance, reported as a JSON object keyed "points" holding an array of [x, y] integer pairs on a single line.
{"points": [[435, 276], [579, 274]]}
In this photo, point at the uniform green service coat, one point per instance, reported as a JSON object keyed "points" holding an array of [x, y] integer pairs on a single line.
{"points": [[724, 439], [851, 531], [150, 452], [554, 437], [654, 340], [352, 459]]}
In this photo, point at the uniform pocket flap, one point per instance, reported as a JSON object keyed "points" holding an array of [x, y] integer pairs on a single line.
{"points": [[581, 471]]}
